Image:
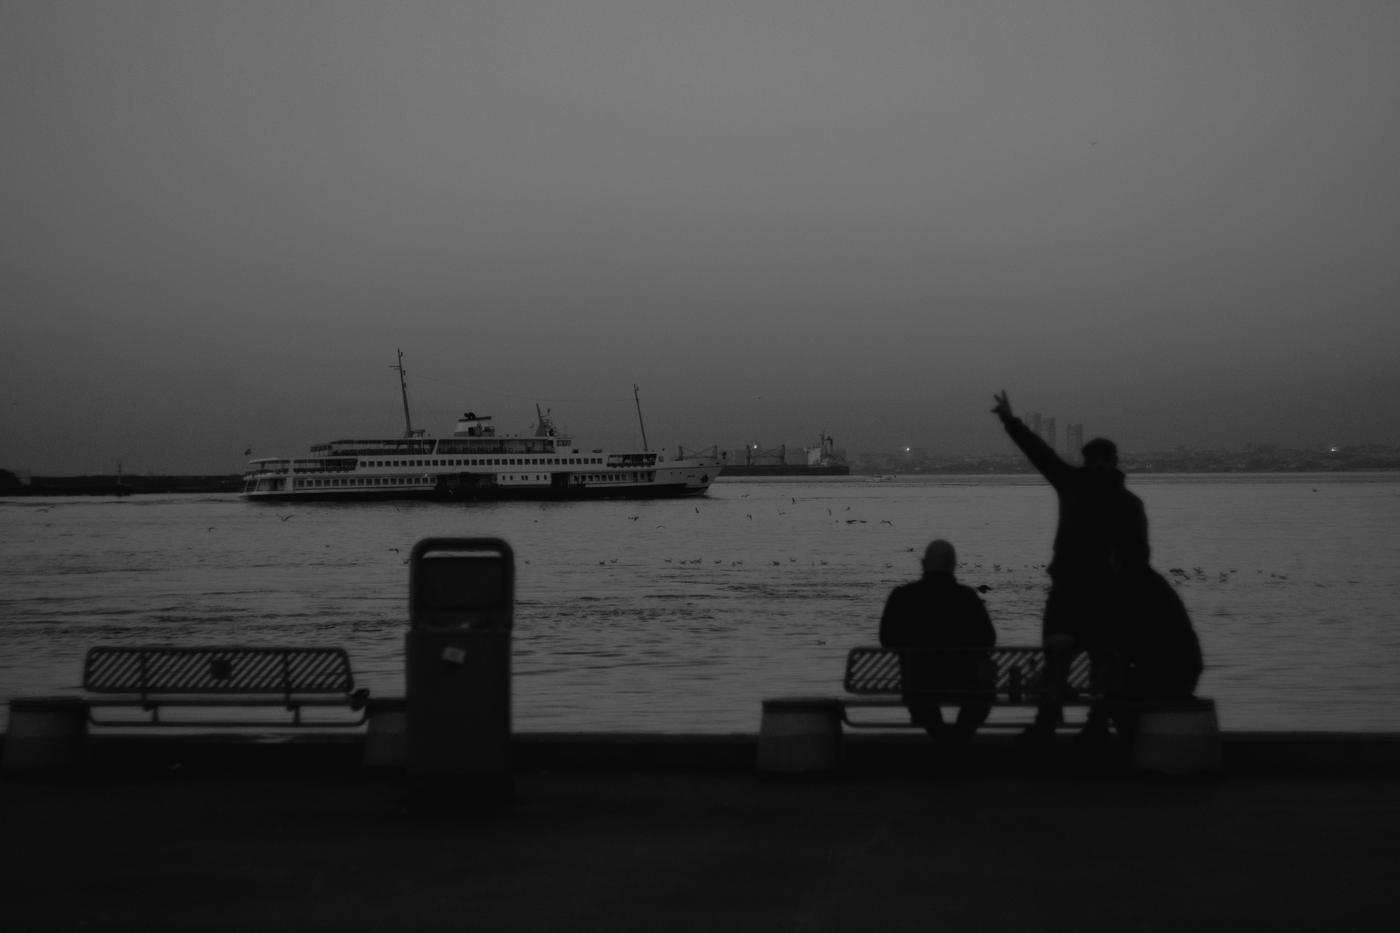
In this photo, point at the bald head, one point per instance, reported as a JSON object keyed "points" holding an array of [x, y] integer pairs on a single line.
{"points": [[939, 557]]}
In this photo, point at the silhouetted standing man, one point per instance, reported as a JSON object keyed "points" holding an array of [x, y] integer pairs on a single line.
{"points": [[1101, 534], [938, 612]]}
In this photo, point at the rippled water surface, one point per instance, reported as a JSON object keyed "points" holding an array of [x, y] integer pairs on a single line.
{"points": [[682, 615]]}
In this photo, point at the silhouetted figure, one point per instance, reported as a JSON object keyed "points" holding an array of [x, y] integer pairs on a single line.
{"points": [[1101, 534], [1158, 646], [938, 612]]}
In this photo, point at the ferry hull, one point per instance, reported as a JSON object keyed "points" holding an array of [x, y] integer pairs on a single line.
{"points": [[486, 494], [669, 482]]}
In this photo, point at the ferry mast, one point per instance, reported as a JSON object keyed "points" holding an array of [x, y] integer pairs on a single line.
{"points": [[637, 397], [403, 391]]}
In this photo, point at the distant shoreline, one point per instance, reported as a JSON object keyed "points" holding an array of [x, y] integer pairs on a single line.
{"points": [[113, 485]]}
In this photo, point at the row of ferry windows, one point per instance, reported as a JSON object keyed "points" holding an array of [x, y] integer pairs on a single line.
{"points": [[486, 461], [369, 481], [421, 481]]}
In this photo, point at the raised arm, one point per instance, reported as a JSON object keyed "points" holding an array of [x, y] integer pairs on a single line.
{"points": [[1039, 453]]}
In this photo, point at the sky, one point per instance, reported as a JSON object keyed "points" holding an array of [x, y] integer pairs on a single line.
{"points": [[1175, 223]]}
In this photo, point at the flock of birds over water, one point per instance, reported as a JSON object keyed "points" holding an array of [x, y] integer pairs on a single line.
{"points": [[1178, 575]]}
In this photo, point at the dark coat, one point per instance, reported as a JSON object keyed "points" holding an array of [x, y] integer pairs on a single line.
{"points": [[1106, 593], [1102, 527], [1159, 649], [936, 611]]}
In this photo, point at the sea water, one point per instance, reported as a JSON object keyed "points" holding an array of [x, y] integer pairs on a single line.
{"points": [[682, 615]]}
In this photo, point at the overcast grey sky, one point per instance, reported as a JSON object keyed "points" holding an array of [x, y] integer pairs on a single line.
{"points": [[1177, 223]]}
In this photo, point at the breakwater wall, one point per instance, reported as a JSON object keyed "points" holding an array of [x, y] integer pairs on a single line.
{"points": [[114, 485], [1246, 754]]}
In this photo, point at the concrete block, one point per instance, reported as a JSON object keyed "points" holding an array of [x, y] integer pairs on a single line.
{"points": [[46, 734], [386, 734], [800, 735], [1178, 739]]}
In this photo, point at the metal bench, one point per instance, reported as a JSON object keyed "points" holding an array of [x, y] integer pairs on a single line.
{"points": [[153, 678], [1010, 677]]}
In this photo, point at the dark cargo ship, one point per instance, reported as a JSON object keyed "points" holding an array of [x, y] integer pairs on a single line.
{"points": [[821, 460]]}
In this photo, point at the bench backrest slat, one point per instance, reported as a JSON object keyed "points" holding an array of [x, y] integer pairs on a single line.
{"points": [[1019, 670], [198, 670]]}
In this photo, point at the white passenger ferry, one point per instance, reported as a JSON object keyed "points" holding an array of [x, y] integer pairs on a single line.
{"points": [[477, 463]]}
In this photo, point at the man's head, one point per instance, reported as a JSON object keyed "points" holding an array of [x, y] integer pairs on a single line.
{"points": [[939, 557], [1101, 453]]}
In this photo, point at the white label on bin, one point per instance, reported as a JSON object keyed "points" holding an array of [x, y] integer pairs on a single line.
{"points": [[454, 655]]}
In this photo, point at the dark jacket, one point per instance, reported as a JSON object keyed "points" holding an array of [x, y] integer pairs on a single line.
{"points": [[1160, 649], [936, 611], [1102, 526]]}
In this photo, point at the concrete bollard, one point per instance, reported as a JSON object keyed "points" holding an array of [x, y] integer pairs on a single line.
{"points": [[386, 734], [800, 736], [46, 734], [1178, 739]]}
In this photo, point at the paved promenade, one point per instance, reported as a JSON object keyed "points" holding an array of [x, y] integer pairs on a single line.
{"points": [[631, 834]]}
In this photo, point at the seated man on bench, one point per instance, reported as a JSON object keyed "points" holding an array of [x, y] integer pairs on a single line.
{"points": [[937, 612]]}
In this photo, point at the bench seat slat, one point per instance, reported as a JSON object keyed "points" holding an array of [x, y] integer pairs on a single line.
{"points": [[204, 700], [152, 678], [874, 681], [1020, 673], [217, 670]]}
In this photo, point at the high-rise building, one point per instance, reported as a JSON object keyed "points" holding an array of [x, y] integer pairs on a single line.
{"points": [[1049, 434], [1074, 438], [1034, 421]]}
